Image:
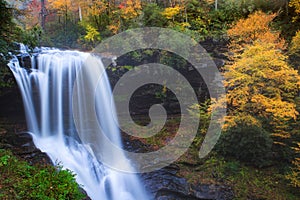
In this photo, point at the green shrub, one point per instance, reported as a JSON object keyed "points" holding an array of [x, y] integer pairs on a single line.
{"points": [[152, 16], [236, 9], [246, 142], [19, 180]]}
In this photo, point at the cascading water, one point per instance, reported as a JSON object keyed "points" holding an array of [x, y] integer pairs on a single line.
{"points": [[47, 91]]}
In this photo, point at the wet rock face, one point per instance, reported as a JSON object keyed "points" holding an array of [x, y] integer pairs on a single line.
{"points": [[21, 51], [165, 185], [21, 144], [25, 60]]}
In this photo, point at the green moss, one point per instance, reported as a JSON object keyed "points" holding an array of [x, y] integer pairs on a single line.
{"points": [[20, 180]]}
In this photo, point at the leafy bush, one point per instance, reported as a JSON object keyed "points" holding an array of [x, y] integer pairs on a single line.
{"points": [[246, 142], [19, 180]]}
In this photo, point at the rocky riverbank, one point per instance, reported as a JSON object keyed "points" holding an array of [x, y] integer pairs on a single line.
{"points": [[163, 184]]}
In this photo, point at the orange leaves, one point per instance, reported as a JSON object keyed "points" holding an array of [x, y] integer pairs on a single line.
{"points": [[114, 28], [254, 28], [61, 5], [88, 7], [130, 9]]}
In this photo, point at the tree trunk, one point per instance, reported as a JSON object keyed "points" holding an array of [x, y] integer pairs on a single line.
{"points": [[43, 14]]}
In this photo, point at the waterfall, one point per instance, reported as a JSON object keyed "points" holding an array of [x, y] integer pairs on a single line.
{"points": [[47, 92]]}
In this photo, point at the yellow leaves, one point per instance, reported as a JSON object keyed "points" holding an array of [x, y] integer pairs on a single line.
{"points": [[261, 84], [248, 120], [185, 25], [296, 5], [261, 66], [297, 149], [274, 107], [254, 28], [238, 98], [92, 34], [171, 12], [295, 44]]}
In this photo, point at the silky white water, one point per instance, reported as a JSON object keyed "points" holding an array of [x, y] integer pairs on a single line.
{"points": [[47, 90]]}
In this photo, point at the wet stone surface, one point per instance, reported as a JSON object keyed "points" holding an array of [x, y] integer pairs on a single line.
{"points": [[164, 184], [21, 144]]}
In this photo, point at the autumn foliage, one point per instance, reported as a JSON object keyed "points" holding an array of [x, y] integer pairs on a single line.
{"points": [[130, 8], [260, 83], [295, 4], [254, 28], [295, 44], [62, 6]]}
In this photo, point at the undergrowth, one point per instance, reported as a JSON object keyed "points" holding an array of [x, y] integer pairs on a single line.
{"points": [[20, 180]]}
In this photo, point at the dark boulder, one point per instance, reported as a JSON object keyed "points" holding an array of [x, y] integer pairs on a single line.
{"points": [[164, 184]]}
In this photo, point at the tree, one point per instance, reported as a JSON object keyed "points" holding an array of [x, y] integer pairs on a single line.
{"points": [[254, 28], [94, 12], [62, 25], [43, 14], [9, 33], [260, 83], [152, 16], [92, 35], [34, 10], [125, 15]]}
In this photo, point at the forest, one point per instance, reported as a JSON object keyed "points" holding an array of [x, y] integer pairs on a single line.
{"points": [[256, 46]]}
